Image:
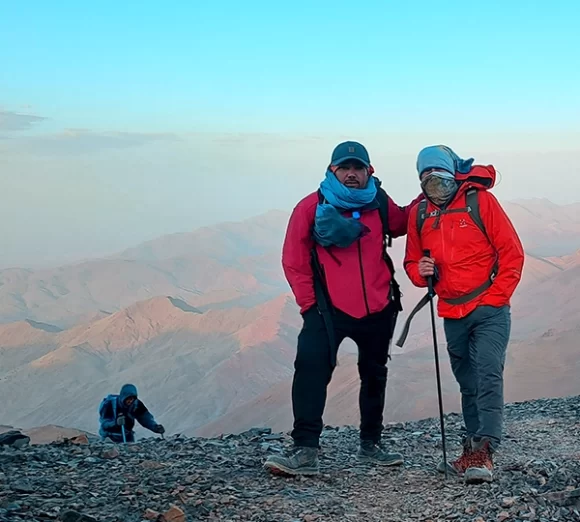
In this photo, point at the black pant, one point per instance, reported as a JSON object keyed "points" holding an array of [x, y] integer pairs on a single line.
{"points": [[313, 371]]}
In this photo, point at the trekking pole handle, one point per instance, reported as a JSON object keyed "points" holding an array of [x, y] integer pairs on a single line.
{"points": [[427, 253]]}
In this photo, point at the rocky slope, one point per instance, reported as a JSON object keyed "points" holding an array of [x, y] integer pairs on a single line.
{"points": [[181, 479]]}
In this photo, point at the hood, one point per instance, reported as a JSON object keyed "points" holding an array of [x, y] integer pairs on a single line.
{"points": [[479, 176], [128, 390], [444, 158]]}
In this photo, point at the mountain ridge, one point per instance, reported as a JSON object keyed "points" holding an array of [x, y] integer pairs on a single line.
{"points": [[211, 346]]}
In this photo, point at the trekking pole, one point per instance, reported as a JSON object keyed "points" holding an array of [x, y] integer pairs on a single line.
{"points": [[427, 253], [124, 435]]}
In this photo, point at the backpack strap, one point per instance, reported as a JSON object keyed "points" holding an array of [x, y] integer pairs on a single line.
{"points": [[322, 297], [472, 202], [383, 200], [395, 289], [324, 305], [471, 207], [421, 215]]}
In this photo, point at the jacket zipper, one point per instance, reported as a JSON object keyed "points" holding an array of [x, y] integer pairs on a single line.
{"points": [[461, 307], [362, 276]]}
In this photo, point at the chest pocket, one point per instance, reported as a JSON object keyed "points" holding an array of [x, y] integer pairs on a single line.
{"points": [[465, 235]]}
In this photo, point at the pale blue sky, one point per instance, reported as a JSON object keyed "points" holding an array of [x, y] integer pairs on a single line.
{"points": [[159, 89], [268, 66]]}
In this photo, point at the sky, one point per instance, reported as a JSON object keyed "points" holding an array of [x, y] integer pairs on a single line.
{"points": [[123, 121]]}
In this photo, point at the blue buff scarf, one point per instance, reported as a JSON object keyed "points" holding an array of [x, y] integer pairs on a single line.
{"points": [[331, 228]]}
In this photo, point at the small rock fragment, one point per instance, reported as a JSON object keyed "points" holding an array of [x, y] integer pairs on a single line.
{"points": [[508, 502], [564, 498], [174, 514], [274, 436], [150, 514], [74, 516], [22, 486], [151, 464], [111, 453], [81, 440]]}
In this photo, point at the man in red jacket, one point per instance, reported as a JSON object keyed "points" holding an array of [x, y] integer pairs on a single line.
{"points": [[476, 260], [334, 258]]}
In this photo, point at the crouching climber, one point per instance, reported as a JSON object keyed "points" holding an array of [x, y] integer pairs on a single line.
{"points": [[118, 413]]}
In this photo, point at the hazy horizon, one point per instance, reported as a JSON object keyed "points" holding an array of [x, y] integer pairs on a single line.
{"points": [[120, 125]]}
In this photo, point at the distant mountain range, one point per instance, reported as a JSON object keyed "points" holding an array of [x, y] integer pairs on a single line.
{"points": [[225, 265], [204, 324]]}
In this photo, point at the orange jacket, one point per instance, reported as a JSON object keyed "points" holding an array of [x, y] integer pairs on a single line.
{"points": [[463, 255]]}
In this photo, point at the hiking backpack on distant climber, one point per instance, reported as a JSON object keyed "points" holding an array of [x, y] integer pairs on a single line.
{"points": [[109, 399]]}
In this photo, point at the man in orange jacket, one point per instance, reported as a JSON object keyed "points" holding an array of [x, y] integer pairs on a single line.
{"points": [[461, 236]]}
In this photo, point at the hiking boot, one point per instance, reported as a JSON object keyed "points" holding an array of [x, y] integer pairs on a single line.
{"points": [[375, 453], [480, 465], [459, 465], [300, 460]]}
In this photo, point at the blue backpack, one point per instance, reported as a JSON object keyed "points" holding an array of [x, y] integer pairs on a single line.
{"points": [[109, 399]]}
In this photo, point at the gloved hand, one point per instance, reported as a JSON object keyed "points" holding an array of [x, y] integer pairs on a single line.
{"points": [[159, 429], [121, 420]]}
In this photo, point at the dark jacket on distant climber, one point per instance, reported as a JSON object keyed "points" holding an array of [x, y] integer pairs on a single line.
{"points": [[124, 409]]}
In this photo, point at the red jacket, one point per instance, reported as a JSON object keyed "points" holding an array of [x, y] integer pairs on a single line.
{"points": [[357, 277], [463, 255]]}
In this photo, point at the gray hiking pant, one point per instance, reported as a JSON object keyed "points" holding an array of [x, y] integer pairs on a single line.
{"points": [[477, 347]]}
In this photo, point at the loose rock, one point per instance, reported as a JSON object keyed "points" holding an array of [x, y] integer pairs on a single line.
{"points": [[14, 439], [174, 515], [536, 477], [81, 439]]}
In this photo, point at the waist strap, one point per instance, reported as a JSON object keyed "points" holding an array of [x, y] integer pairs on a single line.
{"points": [[424, 300], [462, 299]]}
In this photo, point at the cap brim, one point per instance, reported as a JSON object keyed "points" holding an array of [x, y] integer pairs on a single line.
{"points": [[345, 158]]}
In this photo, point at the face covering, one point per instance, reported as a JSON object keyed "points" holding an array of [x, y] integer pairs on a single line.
{"points": [[439, 187]]}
